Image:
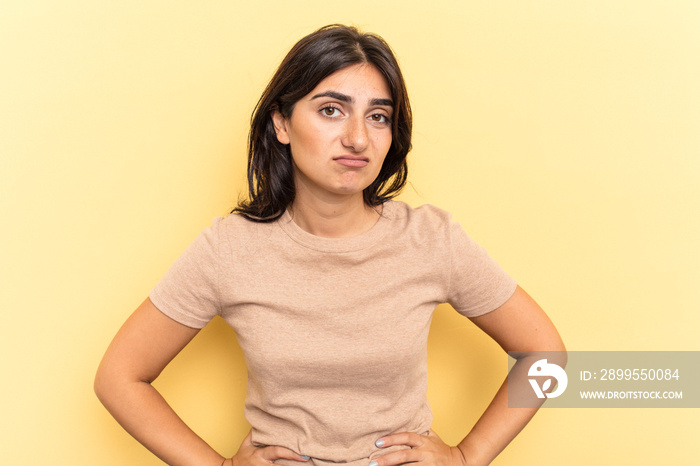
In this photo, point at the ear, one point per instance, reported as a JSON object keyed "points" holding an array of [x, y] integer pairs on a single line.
{"points": [[280, 124]]}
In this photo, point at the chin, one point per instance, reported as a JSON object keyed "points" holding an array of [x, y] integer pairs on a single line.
{"points": [[353, 187], [349, 192]]}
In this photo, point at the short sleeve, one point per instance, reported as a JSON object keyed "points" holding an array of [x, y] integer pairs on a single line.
{"points": [[477, 283], [189, 290]]}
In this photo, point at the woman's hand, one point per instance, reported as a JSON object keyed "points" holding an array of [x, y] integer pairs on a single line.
{"points": [[250, 455], [429, 450]]}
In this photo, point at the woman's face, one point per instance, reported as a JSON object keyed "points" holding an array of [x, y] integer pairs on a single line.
{"points": [[339, 133]]}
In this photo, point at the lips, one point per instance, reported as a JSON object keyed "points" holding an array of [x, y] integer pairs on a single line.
{"points": [[352, 161]]}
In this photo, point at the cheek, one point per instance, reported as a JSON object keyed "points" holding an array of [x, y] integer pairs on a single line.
{"points": [[307, 141], [383, 144]]}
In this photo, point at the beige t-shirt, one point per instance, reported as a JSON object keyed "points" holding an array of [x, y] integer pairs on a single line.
{"points": [[334, 331]]}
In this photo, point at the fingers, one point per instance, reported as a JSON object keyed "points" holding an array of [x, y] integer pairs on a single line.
{"points": [[428, 449], [412, 455], [273, 453], [410, 439], [251, 455], [398, 457]]}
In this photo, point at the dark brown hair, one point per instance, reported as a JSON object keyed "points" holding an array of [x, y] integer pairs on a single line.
{"points": [[312, 59]]}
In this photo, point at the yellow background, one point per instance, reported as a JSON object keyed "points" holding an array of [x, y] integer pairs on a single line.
{"points": [[564, 135]]}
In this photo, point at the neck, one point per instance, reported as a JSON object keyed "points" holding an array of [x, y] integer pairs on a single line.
{"points": [[334, 218]]}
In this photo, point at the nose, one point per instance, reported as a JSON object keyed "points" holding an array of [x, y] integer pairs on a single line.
{"points": [[355, 134]]}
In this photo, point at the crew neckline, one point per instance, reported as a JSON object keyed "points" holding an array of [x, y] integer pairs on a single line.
{"points": [[339, 245]]}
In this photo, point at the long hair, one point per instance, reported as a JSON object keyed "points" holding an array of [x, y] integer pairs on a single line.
{"points": [[312, 59]]}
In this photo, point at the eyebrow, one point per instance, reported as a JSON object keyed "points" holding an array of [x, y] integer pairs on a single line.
{"points": [[348, 99]]}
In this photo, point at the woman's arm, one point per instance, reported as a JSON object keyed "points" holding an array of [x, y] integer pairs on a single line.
{"points": [[142, 348], [518, 325]]}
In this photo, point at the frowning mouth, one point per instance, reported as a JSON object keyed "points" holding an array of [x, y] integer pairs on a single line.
{"points": [[352, 161]]}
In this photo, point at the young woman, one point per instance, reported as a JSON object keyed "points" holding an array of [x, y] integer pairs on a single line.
{"points": [[329, 284]]}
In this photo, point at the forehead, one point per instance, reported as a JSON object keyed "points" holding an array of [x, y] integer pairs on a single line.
{"points": [[363, 81]]}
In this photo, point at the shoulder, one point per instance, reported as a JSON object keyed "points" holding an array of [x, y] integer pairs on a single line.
{"points": [[424, 216], [423, 212], [234, 223], [427, 224], [235, 233]]}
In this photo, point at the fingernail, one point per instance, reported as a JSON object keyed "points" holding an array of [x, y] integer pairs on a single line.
{"points": [[373, 463], [306, 458], [379, 443]]}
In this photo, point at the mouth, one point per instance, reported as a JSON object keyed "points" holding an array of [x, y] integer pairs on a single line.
{"points": [[352, 161]]}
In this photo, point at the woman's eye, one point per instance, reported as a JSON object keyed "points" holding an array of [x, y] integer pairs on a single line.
{"points": [[330, 111], [379, 118]]}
